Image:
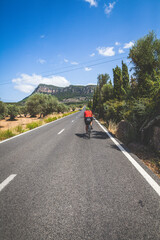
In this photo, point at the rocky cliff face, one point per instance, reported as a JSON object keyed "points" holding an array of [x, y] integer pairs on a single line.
{"points": [[66, 92]]}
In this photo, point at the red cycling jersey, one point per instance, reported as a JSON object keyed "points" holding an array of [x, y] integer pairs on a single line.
{"points": [[88, 113]]}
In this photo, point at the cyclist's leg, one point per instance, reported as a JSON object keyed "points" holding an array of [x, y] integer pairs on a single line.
{"points": [[91, 123], [86, 128]]}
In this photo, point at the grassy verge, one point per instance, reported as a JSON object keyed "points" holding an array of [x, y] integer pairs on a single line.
{"points": [[34, 125], [6, 134]]}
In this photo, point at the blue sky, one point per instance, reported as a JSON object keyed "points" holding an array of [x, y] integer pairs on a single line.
{"points": [[63, 42]]}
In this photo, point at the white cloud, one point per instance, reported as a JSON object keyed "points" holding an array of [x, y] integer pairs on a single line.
{"points": [[91, 84], [25, 88], [128, 45], [120, 51], [92, 55], [92, 2], [41, 61], [42, 36], [27, 83], [74, 63], [87, 69], [66, 60], [117, 43], [109, 8], [106, 51]]}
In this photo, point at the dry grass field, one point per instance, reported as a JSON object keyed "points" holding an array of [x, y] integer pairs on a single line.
{"points": [[6, 124]]}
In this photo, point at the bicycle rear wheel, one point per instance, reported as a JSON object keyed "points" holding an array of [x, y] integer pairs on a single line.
{"points": [[89, 131]]}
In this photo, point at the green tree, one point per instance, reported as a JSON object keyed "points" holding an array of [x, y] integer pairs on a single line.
{"points": [[62, 108], [107, 92], [119, 91], [13, 111], [102, 80], [23, 110], [145, 57], [3, 110], [49, 105], [125, 76], [95, 98], [35, 104]]}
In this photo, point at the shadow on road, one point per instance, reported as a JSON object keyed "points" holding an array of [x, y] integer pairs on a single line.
{"points": [[94, 134]]}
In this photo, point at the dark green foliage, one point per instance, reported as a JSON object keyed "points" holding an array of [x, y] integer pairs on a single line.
{"points": [[138, 112], [102, 80], [145, 56], [3, 110], [114, 110], [62, 108], [23, 110], [34, 104], [41, 104], [125, 77], [107, 92], [102, 92], [119, 91], [13, 111]]}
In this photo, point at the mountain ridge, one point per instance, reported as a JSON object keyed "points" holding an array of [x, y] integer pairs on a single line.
{"points": [[72, 93]]}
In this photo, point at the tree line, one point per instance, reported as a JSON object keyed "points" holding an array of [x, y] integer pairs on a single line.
{"points": [[37, 104], [135, 99]]}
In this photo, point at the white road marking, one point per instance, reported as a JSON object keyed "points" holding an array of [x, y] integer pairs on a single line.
{"points": [[7, 181], [72, 120], [6, 140], [148, 178], [61, 131]]}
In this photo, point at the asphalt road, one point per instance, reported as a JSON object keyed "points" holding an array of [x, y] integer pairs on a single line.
{"points": [[68, 187]]}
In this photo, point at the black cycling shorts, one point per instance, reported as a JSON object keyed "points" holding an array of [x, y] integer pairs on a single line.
{"points": [[88, 120]]}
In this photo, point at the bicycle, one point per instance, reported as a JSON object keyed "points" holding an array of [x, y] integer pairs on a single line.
{"points": [[89, 130]]}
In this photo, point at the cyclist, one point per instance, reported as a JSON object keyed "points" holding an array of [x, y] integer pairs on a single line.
{"points": [[88, 118]]}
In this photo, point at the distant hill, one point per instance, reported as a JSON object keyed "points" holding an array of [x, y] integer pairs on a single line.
{"points": [[73, 93]]}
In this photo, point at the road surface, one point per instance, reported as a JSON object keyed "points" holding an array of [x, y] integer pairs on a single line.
{"points": [[57, 184]]}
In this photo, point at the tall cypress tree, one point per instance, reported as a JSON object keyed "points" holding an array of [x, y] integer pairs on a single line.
{"points": [[118, 83], [95, 98], [125, 76]]}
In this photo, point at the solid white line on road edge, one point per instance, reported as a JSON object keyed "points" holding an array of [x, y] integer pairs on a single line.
{"points": [[7, 181], [148, 178], [36, 128], [61, 131]]}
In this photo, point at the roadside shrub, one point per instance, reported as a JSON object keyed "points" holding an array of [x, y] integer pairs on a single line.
{"points": [[114, 110], [139, 112], [50, 119], [33, 125], [19, 129], [6, 134]]}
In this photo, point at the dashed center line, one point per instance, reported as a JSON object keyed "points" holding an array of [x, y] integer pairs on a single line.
{"points": [[72, 120], [7, 181], [61, 131]]}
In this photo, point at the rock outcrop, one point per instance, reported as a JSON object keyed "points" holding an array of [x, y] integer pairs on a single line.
{"points": [[125, 132], [66, 92], [150, 134]]}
